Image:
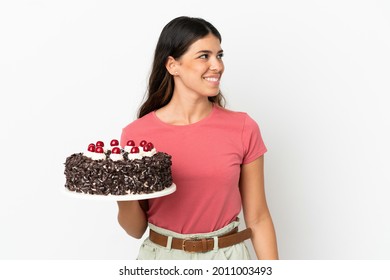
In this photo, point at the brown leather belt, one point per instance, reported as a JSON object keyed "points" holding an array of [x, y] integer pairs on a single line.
{"points": [[201, 245]]}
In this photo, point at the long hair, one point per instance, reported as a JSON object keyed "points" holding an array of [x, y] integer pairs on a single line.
{"points": [[175, 39]]}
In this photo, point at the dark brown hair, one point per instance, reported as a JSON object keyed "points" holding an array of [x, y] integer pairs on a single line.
{"points": [[175, 39]]}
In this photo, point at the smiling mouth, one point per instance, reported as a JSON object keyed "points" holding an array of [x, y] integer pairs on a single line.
{"points": [[212, 79]]}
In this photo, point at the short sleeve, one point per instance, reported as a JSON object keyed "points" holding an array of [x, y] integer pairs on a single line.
{"points": [[253, 145]]}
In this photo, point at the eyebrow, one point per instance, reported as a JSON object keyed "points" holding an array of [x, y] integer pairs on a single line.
{"points": [[208, 51]]}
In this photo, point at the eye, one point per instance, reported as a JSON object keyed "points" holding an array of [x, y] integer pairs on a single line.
{"points": [[220, 55], [204, 56]]}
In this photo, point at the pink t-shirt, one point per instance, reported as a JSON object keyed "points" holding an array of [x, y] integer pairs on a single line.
{"points": [[206, 163]]}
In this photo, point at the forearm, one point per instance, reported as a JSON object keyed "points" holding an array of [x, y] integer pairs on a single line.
{"points": [[132, 218], [264, 239]]}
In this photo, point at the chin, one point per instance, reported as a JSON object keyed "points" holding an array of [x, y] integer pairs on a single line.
{"points": [[213, 94]]}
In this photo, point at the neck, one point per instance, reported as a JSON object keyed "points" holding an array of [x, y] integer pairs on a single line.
{"points": [[184, 111]]}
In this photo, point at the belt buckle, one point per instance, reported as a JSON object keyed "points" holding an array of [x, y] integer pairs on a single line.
{"points": [[183, 246]]}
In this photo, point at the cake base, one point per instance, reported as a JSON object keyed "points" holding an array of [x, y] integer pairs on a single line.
{"points": [[125, 197]]}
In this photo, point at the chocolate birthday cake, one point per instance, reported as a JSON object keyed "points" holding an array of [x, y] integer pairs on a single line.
{"points": [[118, 171]]}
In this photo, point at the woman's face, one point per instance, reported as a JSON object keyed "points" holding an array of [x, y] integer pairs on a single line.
{"points": [[199, 70]]}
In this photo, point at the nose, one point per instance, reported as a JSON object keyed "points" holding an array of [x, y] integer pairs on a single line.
{"points": [[216, 65]]}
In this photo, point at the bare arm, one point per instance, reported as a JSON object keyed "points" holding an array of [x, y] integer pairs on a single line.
{"points": [[255, 210], [132, 217]]}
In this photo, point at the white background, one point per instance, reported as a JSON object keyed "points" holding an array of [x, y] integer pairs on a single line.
{"points": [[313, 74]]}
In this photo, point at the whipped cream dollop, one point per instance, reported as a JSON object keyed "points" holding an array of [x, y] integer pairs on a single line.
{"points": [[134, 156], [98, 156], [127, 148], [147, 154], [116, 157]]}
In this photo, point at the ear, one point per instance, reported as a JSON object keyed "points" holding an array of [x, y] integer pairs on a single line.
{"points": [[171, 65]]}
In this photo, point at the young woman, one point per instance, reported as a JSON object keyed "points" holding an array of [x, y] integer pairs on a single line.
{"points": [[217, 156]]}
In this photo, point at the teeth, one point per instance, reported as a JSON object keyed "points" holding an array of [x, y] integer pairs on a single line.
{"points": [[212, 79]]}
